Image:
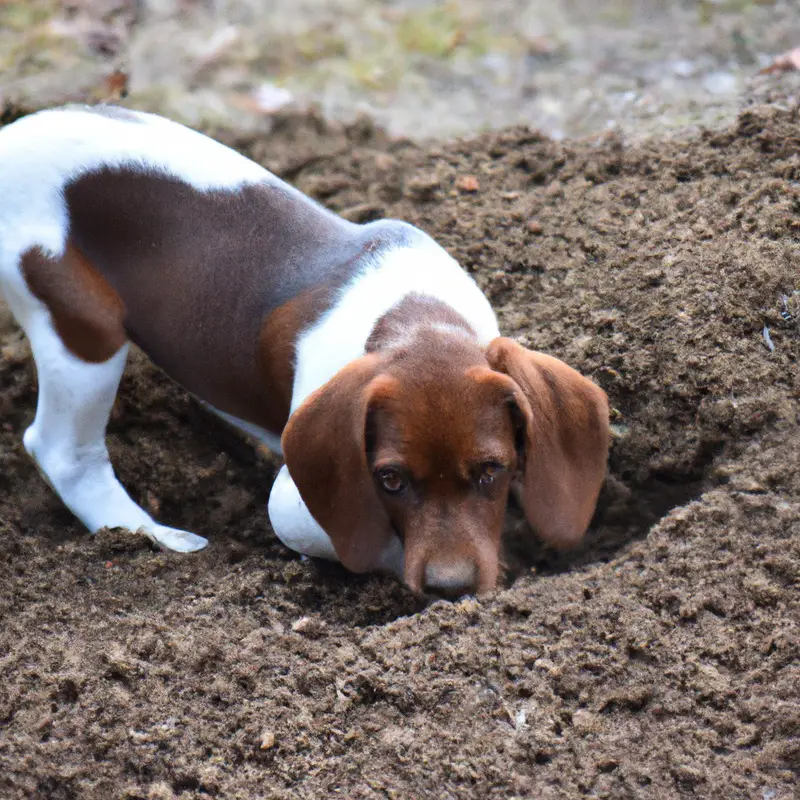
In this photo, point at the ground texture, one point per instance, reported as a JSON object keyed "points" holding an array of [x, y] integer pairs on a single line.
{"points": [[661, 660]]}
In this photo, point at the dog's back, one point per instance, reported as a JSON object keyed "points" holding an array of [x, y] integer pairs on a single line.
{"points": [[41, 152]]}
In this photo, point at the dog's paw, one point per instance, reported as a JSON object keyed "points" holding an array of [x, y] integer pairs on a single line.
{"points": [[175, 539]]}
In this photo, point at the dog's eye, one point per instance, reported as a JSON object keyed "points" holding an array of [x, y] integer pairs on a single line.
{"points": [[488, 473], [392, 480]]}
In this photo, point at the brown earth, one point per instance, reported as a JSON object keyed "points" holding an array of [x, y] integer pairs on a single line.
{"points": [[659, 661]]}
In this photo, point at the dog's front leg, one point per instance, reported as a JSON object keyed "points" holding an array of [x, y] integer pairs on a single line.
{"points": [[293, 523], [298, 530]]}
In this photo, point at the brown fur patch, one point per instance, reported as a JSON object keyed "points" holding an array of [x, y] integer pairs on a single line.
{"points": [[87, 313], [276, 347], [325, 449], [414, 309]]}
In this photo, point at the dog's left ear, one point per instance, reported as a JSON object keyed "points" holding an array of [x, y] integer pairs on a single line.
{"points": [[324, 444], [566, 440]]}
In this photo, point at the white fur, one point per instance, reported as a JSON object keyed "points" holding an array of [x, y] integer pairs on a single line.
{"points": [[292, 521], [299, 531], [67, 437]]}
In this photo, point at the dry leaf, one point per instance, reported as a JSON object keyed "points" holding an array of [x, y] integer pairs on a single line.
{"points": [[112, 89], [117, 84]]}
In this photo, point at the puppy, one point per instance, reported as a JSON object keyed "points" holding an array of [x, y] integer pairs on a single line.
{"points": [[363, 353]]}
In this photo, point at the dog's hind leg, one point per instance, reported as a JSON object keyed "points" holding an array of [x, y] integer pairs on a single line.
{"points": [[79, 347]]}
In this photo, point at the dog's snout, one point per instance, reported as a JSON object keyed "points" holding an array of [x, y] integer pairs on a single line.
{"points": [[457, 578]]}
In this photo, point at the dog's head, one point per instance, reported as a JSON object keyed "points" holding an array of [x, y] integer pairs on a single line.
{"points": [[424, 441]]}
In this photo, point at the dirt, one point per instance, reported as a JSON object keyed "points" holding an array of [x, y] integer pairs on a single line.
{"points": [[660, 660]]}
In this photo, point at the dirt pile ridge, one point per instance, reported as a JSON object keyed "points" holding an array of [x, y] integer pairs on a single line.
{"points": [[661, 660]]}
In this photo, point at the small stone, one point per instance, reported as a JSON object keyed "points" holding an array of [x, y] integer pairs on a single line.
{"points": [[308, 626], [535, 227], [364, 212], [267, 740], [423, 187], [467, 183]]}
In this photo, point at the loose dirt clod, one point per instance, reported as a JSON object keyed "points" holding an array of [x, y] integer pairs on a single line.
{"points": [[660, 660]]}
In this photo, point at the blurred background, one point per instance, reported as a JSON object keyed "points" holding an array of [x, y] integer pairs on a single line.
{"points": [[421, 68]]}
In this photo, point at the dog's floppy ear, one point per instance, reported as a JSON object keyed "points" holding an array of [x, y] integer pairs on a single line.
{"points": [[324, 444], [566, 440]]}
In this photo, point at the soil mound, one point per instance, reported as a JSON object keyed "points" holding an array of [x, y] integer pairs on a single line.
{"points": [[660, 660]]}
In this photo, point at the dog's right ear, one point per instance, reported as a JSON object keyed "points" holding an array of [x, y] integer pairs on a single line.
{"points": [[324, 444], [566, 440]]}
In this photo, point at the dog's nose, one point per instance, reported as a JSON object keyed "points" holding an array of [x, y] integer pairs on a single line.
{"points": [[454, 579]]}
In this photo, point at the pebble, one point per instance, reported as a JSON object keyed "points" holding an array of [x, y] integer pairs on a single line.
{"points": [[467, 183], [308, 626], [267, 740]]}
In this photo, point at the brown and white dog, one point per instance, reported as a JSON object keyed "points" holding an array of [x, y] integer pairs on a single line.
{"points": [[363, 353]]}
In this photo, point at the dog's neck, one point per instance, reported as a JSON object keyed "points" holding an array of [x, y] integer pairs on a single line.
{"points": [[401, 292]]}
